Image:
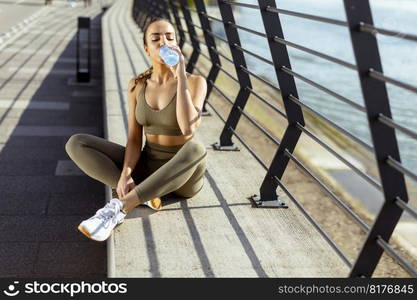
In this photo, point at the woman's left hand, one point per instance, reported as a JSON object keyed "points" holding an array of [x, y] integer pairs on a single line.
{"points": [[178, 69]]}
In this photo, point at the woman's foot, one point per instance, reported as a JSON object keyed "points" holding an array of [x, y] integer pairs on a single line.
{"points": [[100, 226], [155, 204]]}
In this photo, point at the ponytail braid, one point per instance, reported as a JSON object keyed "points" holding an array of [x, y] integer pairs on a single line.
{"points": [[147, 74]]}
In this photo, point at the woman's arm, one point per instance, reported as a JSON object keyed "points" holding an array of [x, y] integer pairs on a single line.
{"points": [[190, 97], [190, 100], [134, 137]]}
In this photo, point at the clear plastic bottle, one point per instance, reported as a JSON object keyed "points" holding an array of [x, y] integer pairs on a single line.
{"points": [[168, 55]]}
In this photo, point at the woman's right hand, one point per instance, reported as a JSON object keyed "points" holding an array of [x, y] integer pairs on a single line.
{"points": [[125, 185]]}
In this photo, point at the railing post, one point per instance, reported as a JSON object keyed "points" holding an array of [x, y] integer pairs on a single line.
{"points": [[83, 74], [280, 58], [211, 44], [155, 9], [149, 12], [193, 36], [140, 13], [135, 10], [167, 11], [162, 9], [376, 100], [178, 22], [244, 80]]}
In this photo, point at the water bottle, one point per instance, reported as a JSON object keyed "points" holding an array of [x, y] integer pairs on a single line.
{"points": [[168, 55]]}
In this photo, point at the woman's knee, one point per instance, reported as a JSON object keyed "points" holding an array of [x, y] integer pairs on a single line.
{"points": [[75, 142], [190, 191], [195, 183], [195, 149]]}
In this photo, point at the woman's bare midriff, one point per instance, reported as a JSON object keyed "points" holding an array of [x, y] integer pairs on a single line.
{"points": [[167, 140]]}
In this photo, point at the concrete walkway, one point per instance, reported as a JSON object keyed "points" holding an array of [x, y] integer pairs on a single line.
{"points": [[217, 233], [44, 196]]}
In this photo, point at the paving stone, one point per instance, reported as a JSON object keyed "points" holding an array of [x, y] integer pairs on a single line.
{"points": [[36, 142], [43, 196], [35, 105], [16, 202], [54, 184], [84, 259], [17, 257], [88, 117], [40, 130], [40, 228], [28, 167], [86, 203], [68, 168]]}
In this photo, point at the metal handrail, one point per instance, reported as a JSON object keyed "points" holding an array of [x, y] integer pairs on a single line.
{"points": [[391, 252], [365, 176], [314, 223], [400, 168], [370, 71], [372, 29], [306, 16], [345, 208], [405, 206], [324, 89], [246, 29], [316, 53], [240, 4], [345, 132], [379, 76], [391, 123]]}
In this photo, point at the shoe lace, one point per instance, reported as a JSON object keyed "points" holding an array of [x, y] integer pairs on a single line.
{"points": [[107, 213]]}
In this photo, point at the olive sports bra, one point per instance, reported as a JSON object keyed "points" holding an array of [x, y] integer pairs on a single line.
{"points": [[154, 121]]}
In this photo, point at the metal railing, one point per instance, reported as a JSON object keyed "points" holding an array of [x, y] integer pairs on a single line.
{"points": [[373, 85]]}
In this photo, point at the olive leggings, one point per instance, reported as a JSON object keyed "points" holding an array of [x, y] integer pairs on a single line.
{"points": [[160, 169]]}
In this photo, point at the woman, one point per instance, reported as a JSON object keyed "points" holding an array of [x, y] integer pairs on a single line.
{"points": [[171, 159]]}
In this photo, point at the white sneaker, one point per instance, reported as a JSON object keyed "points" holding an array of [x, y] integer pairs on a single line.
{"points": [[100, 226]]}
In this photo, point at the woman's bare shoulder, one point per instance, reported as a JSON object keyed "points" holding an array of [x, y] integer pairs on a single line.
{"points": [[192, 78], [135, 84]]}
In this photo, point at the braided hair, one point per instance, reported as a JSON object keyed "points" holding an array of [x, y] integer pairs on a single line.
{"points": [[147, 74]]}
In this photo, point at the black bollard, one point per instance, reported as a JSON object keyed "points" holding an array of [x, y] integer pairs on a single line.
{"points": [[84, 69]]}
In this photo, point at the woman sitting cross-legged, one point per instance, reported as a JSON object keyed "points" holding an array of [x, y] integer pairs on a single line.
{"points": [[166, 102]]}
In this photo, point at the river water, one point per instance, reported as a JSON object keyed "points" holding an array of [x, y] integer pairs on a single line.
{"points": [[399, 60]]}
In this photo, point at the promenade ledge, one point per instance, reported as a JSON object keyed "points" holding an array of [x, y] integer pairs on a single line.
{"points": [[216, 233]]}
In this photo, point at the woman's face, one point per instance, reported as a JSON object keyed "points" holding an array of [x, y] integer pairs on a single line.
{"points": [[159, 33]]}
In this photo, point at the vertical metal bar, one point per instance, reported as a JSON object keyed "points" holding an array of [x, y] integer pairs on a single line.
{"points": [[161, 10], [145, 15], [89, 49], [211, 44], [144, 12], [166, 11], [139, 13], [78, 50], [178, 22], [155, 9], [280, 57], [154, 12], [135, 10], [244, 80], [83, 74], [376, 100], [193, 36], [151, 9]]}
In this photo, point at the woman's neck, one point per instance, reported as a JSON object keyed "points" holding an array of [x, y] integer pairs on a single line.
{"points": [[161, 74]]}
